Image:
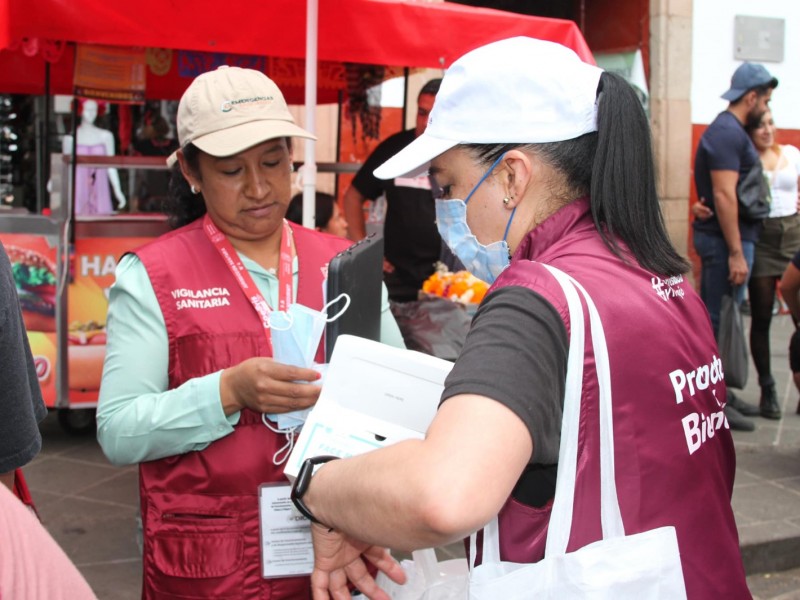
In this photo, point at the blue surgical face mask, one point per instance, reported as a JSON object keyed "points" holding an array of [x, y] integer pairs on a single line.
{"points": [[296, 334], [486, 262]]}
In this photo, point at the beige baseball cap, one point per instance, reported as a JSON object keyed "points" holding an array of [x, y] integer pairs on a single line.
{"points": [[231, 109]]}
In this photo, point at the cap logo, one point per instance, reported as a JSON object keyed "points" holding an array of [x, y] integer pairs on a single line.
{"points": [[227, 105]]}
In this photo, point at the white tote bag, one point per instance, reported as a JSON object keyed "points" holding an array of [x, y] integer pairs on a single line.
{"points": [[643, 566]]}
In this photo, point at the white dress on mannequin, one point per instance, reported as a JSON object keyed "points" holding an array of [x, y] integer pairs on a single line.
{"points": [[92, 193]]}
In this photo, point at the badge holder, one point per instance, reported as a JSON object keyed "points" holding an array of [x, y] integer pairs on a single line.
{"points": [[285, 535]]}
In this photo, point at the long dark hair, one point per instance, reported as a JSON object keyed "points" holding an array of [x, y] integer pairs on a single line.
{"points": [[180, 205], [614, 166], [323, 209]]}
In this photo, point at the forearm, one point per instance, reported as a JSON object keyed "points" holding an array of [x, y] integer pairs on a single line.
{"points": [[113, 178], [386, 497], [353, 204], [135, 428], [727, 211]]}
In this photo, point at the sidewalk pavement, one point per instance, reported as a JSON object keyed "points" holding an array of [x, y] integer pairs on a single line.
{"points": [[90, 507]]}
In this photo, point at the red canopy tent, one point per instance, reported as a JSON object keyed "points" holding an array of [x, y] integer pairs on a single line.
{"points": [[382, 32], [332, 32]]}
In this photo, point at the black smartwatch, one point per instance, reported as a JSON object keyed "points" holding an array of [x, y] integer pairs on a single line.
{"points": [[302, 482]]}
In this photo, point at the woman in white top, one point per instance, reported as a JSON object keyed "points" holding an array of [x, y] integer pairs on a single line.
{"points": [[777, 244]]}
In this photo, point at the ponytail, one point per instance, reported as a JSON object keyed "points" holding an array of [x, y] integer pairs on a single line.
{"points": [[623, 195]]}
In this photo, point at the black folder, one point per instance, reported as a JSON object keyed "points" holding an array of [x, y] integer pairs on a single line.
{"points": [[357, 272]]}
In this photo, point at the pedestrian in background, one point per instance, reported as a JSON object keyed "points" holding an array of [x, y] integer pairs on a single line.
{"points": [[328, 217], [777, 243], [725, 242]]}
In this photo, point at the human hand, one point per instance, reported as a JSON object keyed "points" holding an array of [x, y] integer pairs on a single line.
{"points": [[737, 268], [387, 266], [121, 200], [701, 211], [267, 386], [339, 559]]}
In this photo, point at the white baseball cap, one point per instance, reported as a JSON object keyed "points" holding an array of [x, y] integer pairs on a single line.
{"points": [[517, 90], [231, 109]]}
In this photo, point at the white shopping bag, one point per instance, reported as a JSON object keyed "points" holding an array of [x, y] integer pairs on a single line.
{"points": [[644, 566], [428, 579]]}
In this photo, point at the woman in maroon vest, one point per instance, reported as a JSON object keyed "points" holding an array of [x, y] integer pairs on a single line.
{"points": [[189, 390], [543, 159]]}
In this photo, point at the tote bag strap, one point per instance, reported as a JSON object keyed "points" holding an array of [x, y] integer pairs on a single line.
{"points": [[611, 518], [558, 531]]}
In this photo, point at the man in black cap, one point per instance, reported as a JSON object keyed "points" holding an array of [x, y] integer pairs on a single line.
{"points": [[725, 241]]}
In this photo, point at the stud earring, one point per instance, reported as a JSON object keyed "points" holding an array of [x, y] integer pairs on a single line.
{"points": [[195, 191], [291, 167], [506, 200]]}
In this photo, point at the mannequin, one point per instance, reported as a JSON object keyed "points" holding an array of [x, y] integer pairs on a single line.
{"points": [[92, 195]]}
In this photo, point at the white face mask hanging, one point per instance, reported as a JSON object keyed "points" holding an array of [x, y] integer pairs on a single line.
{"points": [[296, 334]]}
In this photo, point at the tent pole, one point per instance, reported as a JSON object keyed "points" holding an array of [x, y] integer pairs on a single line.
{"points": [[405, 98], [309, 164], [339, 114]]}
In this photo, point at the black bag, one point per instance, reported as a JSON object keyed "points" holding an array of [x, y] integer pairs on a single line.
{"points": [[732, 344], [754, 194]]}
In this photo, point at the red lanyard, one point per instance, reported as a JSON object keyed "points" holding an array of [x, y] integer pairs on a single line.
{"points": [[246, 283]]}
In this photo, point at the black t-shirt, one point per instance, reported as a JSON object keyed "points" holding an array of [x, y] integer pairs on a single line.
{"points": [[725, 146], [516, 353], [21, 405], [411, 241]]}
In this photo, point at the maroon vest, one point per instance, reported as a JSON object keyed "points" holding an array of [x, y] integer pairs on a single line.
{"points": [[675, 460], [199, 509]]}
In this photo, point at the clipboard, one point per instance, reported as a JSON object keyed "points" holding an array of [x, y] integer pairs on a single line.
{"points": [[358, 272]]}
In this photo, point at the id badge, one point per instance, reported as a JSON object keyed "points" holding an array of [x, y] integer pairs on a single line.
{"points": [[286, 546]]}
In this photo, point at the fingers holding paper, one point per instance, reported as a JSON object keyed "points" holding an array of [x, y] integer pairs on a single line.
{"points": [[266, 386], [339, 559]]}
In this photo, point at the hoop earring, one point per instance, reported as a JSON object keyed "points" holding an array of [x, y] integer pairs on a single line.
{"points": [[195, 191]]}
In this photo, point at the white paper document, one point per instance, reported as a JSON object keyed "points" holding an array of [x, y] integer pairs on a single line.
{"points": [[374, 395]]}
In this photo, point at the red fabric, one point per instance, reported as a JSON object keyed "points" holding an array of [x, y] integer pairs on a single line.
{"points": [[199, 509], [662, 478], [22, 492], [387, 32], [384, 32], [125, 127]]}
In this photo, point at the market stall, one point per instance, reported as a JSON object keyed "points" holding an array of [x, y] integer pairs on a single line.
{"points": [[73, 257]]}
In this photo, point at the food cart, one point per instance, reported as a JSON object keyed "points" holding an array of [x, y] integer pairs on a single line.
{"points": [[69, 260]]}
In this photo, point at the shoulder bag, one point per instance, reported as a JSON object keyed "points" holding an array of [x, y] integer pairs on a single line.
{"points": [[753, 193], [645, 565]]}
